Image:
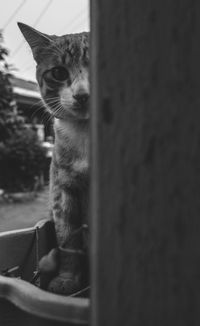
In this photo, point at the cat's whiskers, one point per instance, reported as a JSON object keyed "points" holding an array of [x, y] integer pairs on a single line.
{"points": [[52, 103], [47, 120], [37, 110], [56, 106], [37, 107], [58, 109], [52, 98], [45, 117], [40, 113], [53, 106], [38, 102], [49, 102]]}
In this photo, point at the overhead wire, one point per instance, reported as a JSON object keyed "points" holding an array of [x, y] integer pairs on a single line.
{"points": [[9, 20], [43, 12], [79, 25], [71, 23]]}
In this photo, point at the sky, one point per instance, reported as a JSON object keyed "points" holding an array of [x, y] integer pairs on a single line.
{"points": [[57, 17]]}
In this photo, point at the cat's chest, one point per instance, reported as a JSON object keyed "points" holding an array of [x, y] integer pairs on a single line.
{"points": [[80, 166], [72, 145]]}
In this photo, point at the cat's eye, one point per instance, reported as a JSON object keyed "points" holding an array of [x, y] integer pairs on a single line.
{"points": [[60, 73]]}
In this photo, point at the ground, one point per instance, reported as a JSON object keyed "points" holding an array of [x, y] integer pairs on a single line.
{"points": [[22, 215]]}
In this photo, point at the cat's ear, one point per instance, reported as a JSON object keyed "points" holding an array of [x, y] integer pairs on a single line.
{"points": [[35, 39]]}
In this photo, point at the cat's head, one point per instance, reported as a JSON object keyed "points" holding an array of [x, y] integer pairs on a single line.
{"points": [[62, 71]]}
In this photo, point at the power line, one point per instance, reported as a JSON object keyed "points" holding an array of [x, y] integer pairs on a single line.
{"points": [[79, 24], [43, 12], [68, 25], [14, 14]]}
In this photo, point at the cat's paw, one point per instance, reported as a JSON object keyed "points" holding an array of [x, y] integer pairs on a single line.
{"points": [[65, 270], [50, 263], [70, 275], [48, 267], [65, 283]]}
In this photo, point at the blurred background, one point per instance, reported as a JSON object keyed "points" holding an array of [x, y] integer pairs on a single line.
{"points": [[26, 133]]}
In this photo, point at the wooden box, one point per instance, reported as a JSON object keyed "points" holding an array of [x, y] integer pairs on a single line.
{"points": [[22, 303]]}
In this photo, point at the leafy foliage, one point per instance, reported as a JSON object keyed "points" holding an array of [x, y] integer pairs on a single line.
{"points": [[9, 120], [21, 160], [21, 154]]}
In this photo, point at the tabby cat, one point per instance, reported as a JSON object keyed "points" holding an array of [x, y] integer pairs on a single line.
{"points": [[63, 78]]}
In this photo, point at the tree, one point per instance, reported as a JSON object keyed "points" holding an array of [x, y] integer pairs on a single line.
{"points": [[21, 154], [10, 122]]}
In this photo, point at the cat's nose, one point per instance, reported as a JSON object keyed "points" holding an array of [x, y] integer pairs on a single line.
{"points": [[81, 98]]}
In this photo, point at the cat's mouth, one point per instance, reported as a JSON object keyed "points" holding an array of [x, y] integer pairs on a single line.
{"points": [[80, 110], [80, 113], [64, 110], [77, 112]]}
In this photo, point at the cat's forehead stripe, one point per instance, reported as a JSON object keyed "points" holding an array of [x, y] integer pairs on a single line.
{"points": [[74, 47]]}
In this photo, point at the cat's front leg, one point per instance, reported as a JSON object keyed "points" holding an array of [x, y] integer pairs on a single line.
{"points": [[72, 261], [66, 215], [61, 202]]}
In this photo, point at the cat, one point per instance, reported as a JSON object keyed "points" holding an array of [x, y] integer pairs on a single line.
{"points": [[62, 73]]}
